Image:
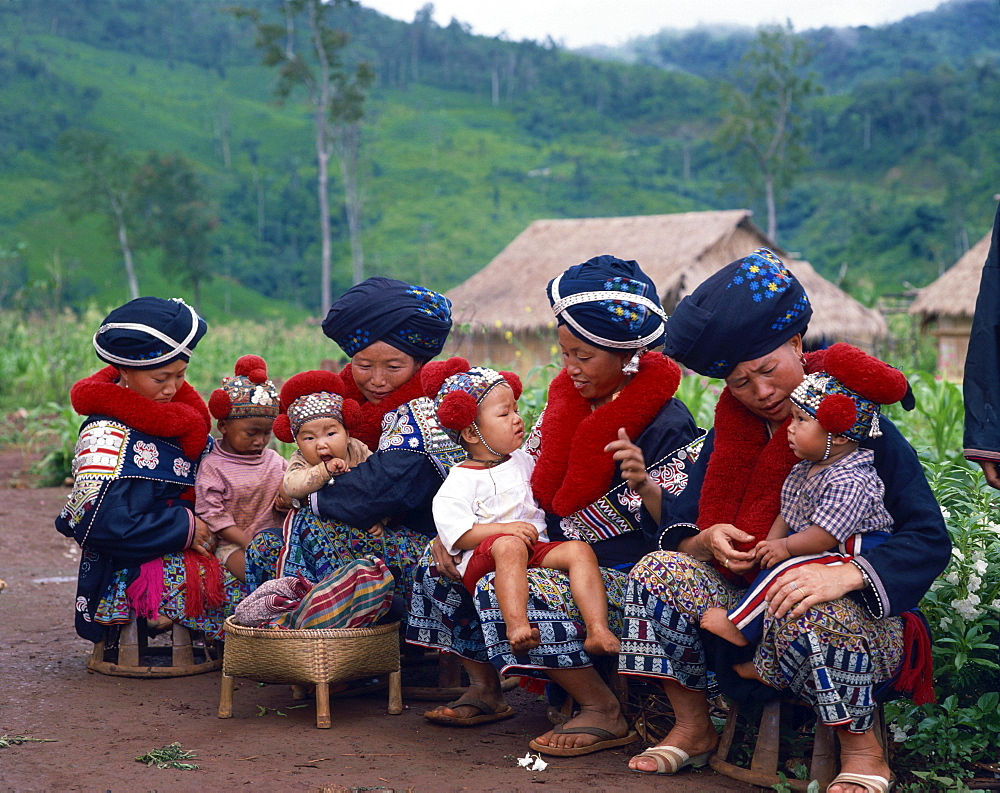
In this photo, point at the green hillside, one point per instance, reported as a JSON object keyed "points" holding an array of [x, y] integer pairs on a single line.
{"points": [[466, 141]]}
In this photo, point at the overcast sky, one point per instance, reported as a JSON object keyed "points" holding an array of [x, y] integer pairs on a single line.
{"points": [[575, 23]]}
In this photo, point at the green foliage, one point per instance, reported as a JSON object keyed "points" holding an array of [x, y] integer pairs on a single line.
{"points": [[169, 757]]}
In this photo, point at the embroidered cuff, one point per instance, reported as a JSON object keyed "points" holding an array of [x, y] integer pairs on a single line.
{"points": [[672, 536], [873, 596]]}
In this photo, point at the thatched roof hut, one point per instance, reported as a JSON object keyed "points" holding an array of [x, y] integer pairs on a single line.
{"points": [[945, 308], [507, 315]]}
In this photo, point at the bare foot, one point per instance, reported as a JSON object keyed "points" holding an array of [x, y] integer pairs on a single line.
{"points": [[694, 740], [748, 671], [601, 641], [587, 717], [523, 638], [716, 620]]}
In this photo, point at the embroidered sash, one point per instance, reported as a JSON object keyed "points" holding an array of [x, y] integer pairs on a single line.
{"points": [[414, 427], [618, 512], [107, 450]]}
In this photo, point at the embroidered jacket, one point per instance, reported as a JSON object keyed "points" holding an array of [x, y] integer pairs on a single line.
{"points": [[981, 385], [901, 569], [130, 501], [400, 479], [579, 484]]}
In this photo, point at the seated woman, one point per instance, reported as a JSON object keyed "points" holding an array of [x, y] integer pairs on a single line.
{"points": [[131, 508], [390, 329], [839, 653], [594, 485]]}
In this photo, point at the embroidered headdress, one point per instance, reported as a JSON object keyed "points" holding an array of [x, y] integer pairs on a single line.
{"points": [[313, 395], [410, 318], [460, 392], [149, 332], [845, 397], [248, 394], [744, 311], [609, 303]]}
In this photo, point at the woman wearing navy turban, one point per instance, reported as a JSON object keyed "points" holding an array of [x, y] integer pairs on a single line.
{"points": [[390, 330], [594, 485], [840, 654], [131, 509]]}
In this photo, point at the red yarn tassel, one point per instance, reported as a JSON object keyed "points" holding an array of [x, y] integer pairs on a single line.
{"points": [[145, 594], [193, 601], [203, 584], [916, 676], [533, 685]]}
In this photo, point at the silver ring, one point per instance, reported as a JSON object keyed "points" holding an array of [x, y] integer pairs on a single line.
{"points": [[793, 585], [207, 545]]}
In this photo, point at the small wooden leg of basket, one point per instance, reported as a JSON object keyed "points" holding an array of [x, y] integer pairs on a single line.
{"points": [[323, 706], [395, 693], [299, 692], [226, 696], [181, 653], [128, 645]]}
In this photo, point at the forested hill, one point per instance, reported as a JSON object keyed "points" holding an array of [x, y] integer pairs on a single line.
{"points": [[467, 139], [957, 32]]}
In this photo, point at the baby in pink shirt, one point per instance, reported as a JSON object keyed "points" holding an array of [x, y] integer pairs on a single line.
{"points": [[237, 483]]}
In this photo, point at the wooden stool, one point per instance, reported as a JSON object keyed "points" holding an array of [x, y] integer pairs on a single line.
{"points": [[319, 657], [129, 654], [763, 770]]}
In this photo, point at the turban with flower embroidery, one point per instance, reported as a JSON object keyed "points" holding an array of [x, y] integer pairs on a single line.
{"points": [[410, 318], [744, 311]]}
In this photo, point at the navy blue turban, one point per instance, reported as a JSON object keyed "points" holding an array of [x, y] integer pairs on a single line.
{"points": [[744, 311], [410, 318], [149, 332], [609, 303]]}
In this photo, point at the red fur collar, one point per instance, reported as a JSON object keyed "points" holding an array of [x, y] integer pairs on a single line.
{"points": [[573, 469], [370, 429], [185, 417]]}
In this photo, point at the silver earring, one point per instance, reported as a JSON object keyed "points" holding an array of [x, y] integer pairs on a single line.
{"points": [[632, 367], [829, 445]]}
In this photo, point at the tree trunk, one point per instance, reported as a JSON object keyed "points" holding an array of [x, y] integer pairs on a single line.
{"points": [[348, 150], [322, 103], [772, 215], [133, 283]]}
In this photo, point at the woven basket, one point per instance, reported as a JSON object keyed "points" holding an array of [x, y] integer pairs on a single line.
{"points": [[270, 655]]}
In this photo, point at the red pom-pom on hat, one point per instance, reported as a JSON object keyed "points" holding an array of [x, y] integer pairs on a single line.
{"points": [[836, 413], [310, 382], [514, 382], [219, 403], [282, 429], [433, 374], [863, 374], [457, 410], [253, 367], [351, 412]]}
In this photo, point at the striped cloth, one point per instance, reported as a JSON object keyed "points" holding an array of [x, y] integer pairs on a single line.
{"points": [[356, 594]]}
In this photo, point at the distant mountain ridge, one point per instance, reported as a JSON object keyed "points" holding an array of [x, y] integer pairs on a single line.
{"points": [[468, 139]]}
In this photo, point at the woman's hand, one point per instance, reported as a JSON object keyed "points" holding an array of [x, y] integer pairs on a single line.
{"points": [[718, 542], [445, 562], [631, 461], [992, 472], [204, 541], [282, 503], [805, 586]]}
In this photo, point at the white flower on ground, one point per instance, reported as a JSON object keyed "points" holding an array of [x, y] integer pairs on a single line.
{"points": [[533, 762], [980, 566], [945, 513], [952, 578]]}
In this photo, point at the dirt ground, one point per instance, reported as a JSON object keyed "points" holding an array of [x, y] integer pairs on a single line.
{"points": [[96, 725]]}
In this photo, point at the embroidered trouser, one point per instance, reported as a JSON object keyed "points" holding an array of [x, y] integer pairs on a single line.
{"points": [[444, 616], [316, 547], [832, 657]]}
